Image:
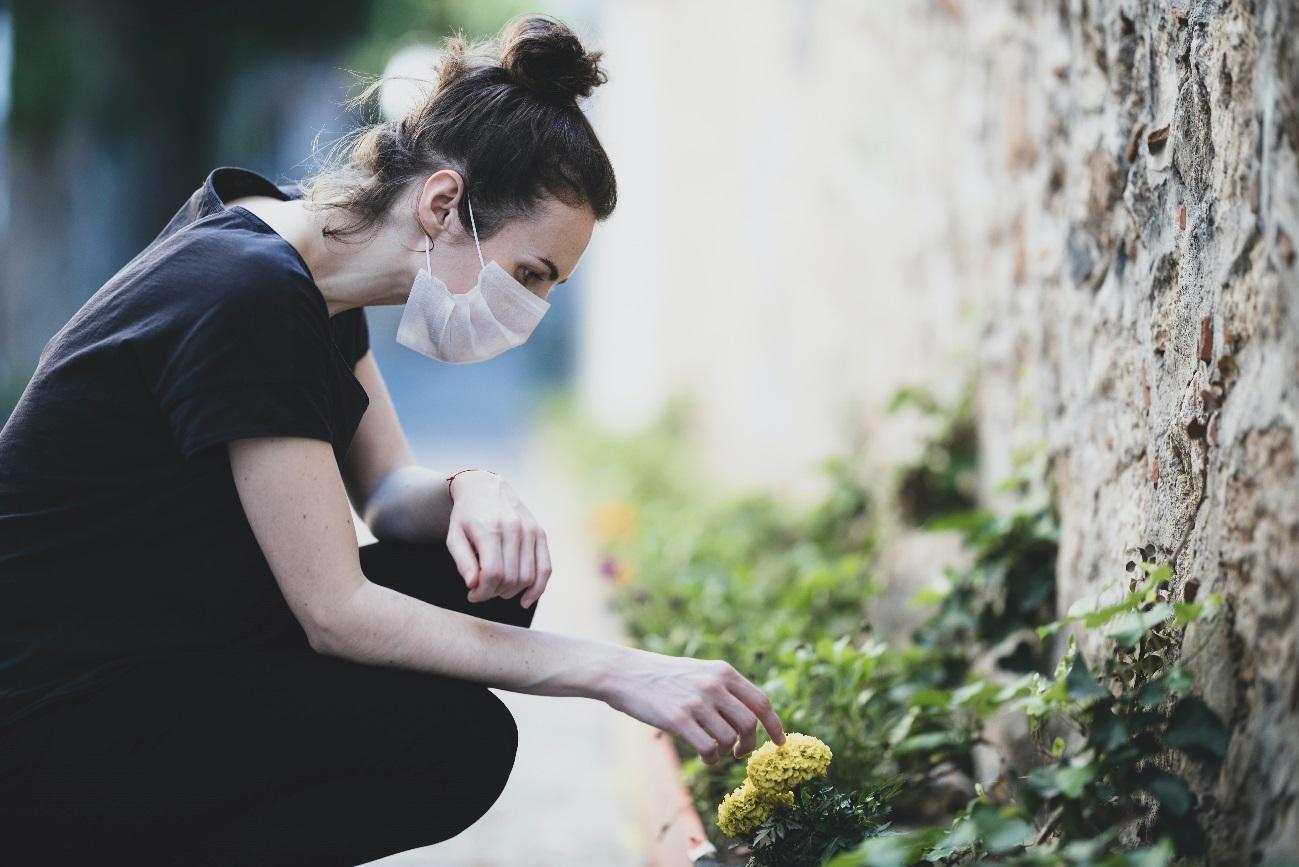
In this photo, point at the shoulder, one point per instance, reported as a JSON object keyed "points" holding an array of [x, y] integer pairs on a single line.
{"points": [[237, 271]]}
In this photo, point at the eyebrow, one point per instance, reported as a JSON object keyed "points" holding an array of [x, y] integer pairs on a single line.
{"points": [[554, 272]]}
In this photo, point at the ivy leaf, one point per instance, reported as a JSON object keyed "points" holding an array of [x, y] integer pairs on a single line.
{"points": [[1185, 612], [1002, 833], [1052, 780], [1073, 780], [1196, 730], [1080, 682], [1109, 732], [1171, 792], [1152, 692], [1128, 629], [1178, 679], [1158, 855], [890, 849]]}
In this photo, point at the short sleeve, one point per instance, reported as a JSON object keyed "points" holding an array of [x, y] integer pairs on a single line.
{"points": [[352, 334], [255, 361]]}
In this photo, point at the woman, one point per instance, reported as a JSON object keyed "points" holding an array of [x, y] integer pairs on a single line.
{"points": [[242, 685]]}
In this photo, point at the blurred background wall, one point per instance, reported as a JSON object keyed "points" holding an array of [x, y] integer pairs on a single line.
{"points": [[804, 224]]}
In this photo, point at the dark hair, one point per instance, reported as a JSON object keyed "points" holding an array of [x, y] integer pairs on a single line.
{"points": [[503, 113]]}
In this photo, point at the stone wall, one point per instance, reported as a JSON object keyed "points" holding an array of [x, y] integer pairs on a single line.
{"points": [[1153, 321]]}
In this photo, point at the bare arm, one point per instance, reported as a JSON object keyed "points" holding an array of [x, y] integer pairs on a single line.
{"points": [[297, 506], [395, 497], [499, 547]]}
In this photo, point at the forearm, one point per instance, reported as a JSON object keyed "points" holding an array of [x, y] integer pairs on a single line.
{"points": [[410, 505], [381, 626]]}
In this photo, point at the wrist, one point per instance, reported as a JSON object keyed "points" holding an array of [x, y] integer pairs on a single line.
{"points": [[606, 678], [451, 478]]}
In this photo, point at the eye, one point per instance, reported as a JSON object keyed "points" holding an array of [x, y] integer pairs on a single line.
{"points": [[529, 275]]}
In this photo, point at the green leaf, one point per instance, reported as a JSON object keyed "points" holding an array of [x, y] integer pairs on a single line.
{"points": [[1080, 683], [1109, 732], [930, 697], [1129, 628], [1178, 679], [1185, 612], [890, 849], [1171, 792], [1101, 616], [962, 836], [1067, 780], [1158, 855], [928, 741], [929, 596], [1074, 779], [1195, 729], [1001, 832], [1152, 692], [975, 688], [1157, 573]]}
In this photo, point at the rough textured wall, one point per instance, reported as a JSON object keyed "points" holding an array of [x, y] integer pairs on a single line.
{"points": [[1153, 321]]}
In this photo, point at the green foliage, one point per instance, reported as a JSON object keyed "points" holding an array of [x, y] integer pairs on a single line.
{"points": [[783, 593], [1010, 587], [942, 480], [821, 823]]}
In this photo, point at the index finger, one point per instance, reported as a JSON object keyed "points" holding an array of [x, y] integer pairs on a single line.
{"points": [[756, 700]]}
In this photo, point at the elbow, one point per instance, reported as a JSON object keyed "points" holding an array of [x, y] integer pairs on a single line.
{"points": [[317, 641], [329, 627], [324, 634], [321, 640]]}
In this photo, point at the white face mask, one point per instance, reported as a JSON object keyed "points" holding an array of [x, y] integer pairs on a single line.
{"points": [[496, 315]]}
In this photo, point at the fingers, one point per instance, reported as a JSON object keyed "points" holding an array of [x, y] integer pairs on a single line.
{"points": [[742, 720], [719, 730], [511, 542], [689, 729], [463, 554], [487, 543], [756, 700], [543, 570]]}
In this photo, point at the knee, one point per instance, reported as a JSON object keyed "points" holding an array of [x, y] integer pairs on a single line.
{"points": [[495, 741], [481, 754]]}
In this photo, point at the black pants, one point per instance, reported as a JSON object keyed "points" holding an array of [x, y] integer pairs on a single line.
{"points": [[269, 758]]}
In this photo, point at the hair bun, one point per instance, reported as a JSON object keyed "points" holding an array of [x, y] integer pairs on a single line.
{"points": [[545, 56]]}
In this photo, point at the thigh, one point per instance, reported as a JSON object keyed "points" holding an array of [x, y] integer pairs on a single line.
{"points": [[429, 572], [167, 748]]}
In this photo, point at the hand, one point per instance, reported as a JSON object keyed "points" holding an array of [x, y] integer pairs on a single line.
{"points": [[495, 541], [705, 702]]}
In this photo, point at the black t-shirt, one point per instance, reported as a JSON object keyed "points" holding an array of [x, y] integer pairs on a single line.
{"points": [[122, 537]]}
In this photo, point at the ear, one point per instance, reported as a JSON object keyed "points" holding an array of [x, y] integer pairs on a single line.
{"points": [[438, 200]]}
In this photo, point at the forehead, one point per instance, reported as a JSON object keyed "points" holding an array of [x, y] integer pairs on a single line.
{"points": [[555, 230]]}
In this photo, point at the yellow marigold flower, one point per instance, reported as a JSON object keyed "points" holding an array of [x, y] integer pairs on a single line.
{"points": [[774, 769], [744, 809]]}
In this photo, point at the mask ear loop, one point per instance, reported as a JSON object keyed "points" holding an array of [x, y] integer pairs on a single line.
{"points": [[475, 228], [427, 258]]}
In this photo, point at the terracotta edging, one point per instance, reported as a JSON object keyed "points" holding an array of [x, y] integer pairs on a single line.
{"points": [[680, 839]]}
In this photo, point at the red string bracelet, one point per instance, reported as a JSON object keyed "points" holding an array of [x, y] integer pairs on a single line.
{"points": [[465, 470]]}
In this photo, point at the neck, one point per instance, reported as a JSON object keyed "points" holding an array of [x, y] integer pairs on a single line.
{"points": [[355, 273]]}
